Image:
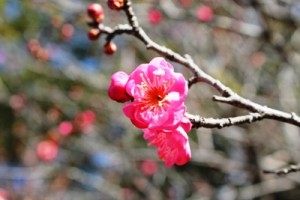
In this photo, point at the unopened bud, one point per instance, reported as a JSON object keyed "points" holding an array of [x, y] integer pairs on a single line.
{"points": [[117, 87], [94, 34], [115, 4], [110, 48], [95, 11]]}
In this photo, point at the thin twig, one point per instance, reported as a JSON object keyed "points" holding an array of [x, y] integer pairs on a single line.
{"points": [[199, 121]]}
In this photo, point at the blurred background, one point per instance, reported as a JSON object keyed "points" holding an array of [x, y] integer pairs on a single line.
{"points": [[62, 138]]}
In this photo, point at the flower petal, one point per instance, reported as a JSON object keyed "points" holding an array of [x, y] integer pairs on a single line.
{"points": [[173, 145]]}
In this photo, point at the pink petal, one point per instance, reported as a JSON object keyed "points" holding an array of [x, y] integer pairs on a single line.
{"points": [[174, 120], [186, 124], [173, 96], [139, 124], [159, 61], [173, 146], [128, 110], [180, 86], [130, 88]]}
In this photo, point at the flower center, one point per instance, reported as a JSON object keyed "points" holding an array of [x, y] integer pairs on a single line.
{"points": [[154, 92], [159, 98], [155, 96]]}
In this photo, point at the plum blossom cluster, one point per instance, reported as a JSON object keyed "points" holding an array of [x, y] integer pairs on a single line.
{"points": [[155, 96]]}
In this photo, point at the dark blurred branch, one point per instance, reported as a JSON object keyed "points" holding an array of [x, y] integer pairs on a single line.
{"points": [[228, 96], [265, 188], [267, 34], [284, 171]]}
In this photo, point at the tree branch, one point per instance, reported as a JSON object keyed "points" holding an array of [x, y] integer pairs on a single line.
{"points": [[199, 121], [258, 112]]}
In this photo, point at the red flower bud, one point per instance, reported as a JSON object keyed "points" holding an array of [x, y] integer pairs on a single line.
{"points": [[117, 87], [95, 11], [94, 34], [115, 4], [110, 48]]}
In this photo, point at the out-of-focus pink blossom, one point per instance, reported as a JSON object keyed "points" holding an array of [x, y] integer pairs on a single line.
{"points": [[158, 95], [67, 31], [85, 117], [85, 120], [88, 117], [185, 3], [149, 167], [3, 194], [154, 16], [47, 150], [205, 13], [127, 193], [65, 128], [116, 90], [173, 145], [258, 59], [17, 101]]}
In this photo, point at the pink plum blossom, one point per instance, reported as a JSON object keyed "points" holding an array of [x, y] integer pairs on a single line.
{"points": [[205, 13], [84, 120], [154, 16], [4, 195], [173, 145], [65, 128], [116, 90], [47, 150], [158, 95], [149, 167]]}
